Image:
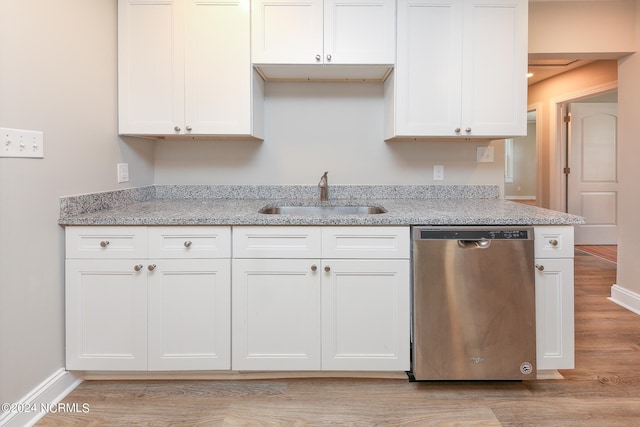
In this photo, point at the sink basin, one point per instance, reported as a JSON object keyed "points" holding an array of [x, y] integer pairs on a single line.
{"points": [[322, 210]]}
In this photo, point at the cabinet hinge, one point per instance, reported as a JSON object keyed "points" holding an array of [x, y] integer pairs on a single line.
{"points": [[566, 171]]}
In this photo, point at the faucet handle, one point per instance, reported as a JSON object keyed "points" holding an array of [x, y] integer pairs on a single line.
{"points": [[323, 180]]}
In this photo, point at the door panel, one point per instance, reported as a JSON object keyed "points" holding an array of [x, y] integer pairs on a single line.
{"points": [[275, 314], [593, 182]]}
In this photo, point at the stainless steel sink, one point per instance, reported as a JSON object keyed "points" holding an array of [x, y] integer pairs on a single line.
{"points": [[322, 210]]}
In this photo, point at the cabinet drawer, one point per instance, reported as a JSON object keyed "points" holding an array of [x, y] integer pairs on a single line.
{"points": [[365, 242], [106, 242], [190, 242], [553, 242], [276, 242]]}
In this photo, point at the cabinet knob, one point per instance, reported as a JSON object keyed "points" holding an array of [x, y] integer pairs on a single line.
{"points": [[189, 128], [328, 57], [151, 267], [468, 130], [104, 243], [138, 267], [457, 130], [187, 244], [318, 57], [553, 242], [177, 128], [314, 267], [327, 268], [540, 267]]}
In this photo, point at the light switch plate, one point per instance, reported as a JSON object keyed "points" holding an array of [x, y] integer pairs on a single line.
{"points": [[21, 143], [484, 154], [123, 172], [438, 172]]}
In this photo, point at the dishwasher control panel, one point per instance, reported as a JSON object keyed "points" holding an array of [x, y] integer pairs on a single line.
{"points": [[499, 233]]}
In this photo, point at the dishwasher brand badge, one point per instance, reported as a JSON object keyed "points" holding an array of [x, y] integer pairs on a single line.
{"points": [[526, 368]]}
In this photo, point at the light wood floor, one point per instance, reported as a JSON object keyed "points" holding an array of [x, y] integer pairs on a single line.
{"points": [[608, 252], [603, 390]]}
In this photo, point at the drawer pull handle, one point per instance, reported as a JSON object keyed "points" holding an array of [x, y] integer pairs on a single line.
{"points": [[151, 267], [540, 267], [138, 267], [188, 244], [327, 268], [314, 267], [553, 242], [104, 243]]}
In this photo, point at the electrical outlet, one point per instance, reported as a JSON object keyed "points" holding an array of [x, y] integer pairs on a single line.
{"points": [[21, 143], [438, 172], [123, 172]]}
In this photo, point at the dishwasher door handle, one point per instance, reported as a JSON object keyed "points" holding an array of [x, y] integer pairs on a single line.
{"points": [[474, 244]]}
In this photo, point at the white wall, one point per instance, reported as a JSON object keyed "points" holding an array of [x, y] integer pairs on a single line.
{"points": [[315, 127], [600, 29], [629, 173], [57, 75]]}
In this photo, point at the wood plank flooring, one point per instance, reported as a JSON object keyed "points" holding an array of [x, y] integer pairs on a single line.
{"points": [[608, 252], [603, 390]]}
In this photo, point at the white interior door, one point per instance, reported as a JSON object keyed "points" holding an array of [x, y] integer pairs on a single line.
{"points": [[592, 188]]}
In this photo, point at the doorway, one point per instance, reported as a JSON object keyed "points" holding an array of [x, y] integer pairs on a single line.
{"points": [[522, 163], [591, 177]]}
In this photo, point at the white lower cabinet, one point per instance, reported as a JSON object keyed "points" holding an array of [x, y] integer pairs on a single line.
{"points": [[126, 310], [554, 297], [276, 314], [295, 312], [189, 315], [365, 315], [106, 315]]}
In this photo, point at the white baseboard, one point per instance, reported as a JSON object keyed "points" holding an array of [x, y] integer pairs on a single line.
{"points": [[36, 403], [625, 298]]}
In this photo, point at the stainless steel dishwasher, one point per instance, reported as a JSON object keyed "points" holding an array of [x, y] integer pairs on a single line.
{"points": [[473, 303]]}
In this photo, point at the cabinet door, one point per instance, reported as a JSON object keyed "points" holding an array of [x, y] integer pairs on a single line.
{"points": [[554, 313], [276, 314], [217, 67], [495, 68], [365, 315], [106, 315], [359, 32], [428, 71], [461, 69], [287, 31], [189, 314], [150, 66]]}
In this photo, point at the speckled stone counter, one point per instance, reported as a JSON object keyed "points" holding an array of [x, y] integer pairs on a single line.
{"points": [[240, 205]]}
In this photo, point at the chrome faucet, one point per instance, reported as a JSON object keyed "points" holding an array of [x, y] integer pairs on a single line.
{"points": [[324, 188]]}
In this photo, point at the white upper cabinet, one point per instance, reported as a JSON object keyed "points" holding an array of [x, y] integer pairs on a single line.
{"points": [[317, 32], [184, 68], [460, 70]]}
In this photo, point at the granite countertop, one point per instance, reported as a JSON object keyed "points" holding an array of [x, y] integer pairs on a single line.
{"points": [[240, 205]]}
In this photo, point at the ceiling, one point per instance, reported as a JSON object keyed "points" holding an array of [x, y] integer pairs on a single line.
{"points": [[544, 68]]}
